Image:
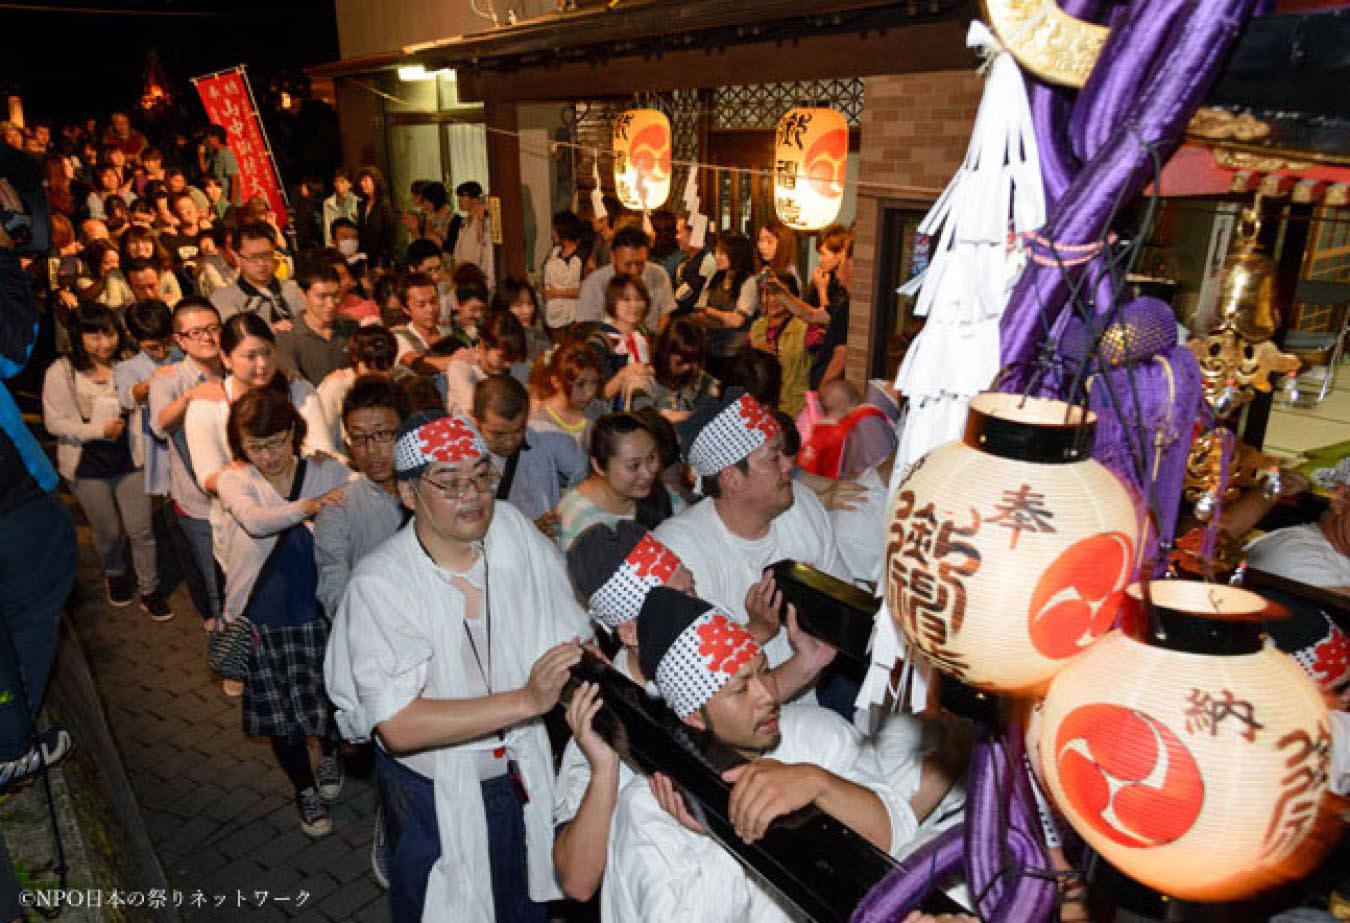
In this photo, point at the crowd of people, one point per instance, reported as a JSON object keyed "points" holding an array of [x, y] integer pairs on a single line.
{"points": [[423, 491]]}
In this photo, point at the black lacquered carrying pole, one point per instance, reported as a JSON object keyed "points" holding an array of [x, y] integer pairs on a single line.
{"points": [[815, 863]]}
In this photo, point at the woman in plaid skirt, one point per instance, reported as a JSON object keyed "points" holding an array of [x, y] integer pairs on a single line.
{"points": [[266, 548]]}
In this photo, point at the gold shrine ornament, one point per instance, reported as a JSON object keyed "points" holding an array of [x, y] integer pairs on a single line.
{"points": [[1045, 40]]}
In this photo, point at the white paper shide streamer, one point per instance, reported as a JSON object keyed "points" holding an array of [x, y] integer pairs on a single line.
{"points": [[975, 230]]}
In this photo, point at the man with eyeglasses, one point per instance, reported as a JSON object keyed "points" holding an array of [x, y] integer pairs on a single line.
{"points": [[371, 511], [454, 638], [258, 290], [196, 326]]}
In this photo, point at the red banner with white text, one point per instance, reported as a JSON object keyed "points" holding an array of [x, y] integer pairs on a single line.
{"points": [[229, 104]]}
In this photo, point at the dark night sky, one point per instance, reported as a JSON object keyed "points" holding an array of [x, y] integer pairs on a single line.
{"points": [[68, 64]]}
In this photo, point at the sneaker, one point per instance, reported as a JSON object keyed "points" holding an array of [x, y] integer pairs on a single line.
{"points": [[232, 688], [314, 820], [379, 852], [54, 745], [156, 606], [121, 589], [329, 776]]}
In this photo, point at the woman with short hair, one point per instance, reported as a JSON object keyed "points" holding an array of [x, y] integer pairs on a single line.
{"points": [[265, 546]]}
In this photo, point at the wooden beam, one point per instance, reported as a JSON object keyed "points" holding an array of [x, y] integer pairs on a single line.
{"points": [[503, 148], [905, 49], [636, 20]]}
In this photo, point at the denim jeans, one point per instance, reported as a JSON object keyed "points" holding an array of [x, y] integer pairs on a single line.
{"points": [[198, 532]]}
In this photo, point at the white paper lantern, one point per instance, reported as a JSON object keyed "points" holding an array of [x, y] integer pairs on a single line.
{"points": [[1009, 551], [642, 159], [1197, 768], [810, 164]]}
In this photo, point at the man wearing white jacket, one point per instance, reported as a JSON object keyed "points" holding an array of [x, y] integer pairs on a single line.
{"points": [[661, 864], [454, 637]]}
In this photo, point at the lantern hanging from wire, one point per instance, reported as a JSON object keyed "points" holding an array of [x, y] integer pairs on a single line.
{"points": [[642, 158], [809, 167], [1009, 550], [1192, 756]]}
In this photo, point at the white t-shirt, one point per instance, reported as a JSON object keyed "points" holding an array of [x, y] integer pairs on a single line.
{"points": [[574, 770], [562, 273], [862, 531], [460, 380], [725, 566], [1300, 553]]}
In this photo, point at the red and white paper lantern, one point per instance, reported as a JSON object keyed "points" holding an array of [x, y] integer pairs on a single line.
{"points": [[1009, 551], [642, 159], [809, 167], [1195, 760]]}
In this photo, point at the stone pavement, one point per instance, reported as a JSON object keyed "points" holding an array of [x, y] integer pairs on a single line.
{"points": [[219, 811]]}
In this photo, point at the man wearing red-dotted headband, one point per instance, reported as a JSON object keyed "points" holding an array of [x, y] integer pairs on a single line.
{"points": [[754, 515], [453, 639], [661, 863]]}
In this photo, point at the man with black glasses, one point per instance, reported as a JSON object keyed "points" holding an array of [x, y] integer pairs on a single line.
{"points": [[453, 639], [258, 290], [196, 330]]}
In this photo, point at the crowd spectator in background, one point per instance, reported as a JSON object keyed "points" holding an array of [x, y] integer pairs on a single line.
{"points": [[565, 385], [267, 553], [257, 289], [316, 344], [562, 272], [500, 345], [625, 474], [630, 250], [81, 409], [218, 162], [517, 296], [473, 242], [375, 217], [730, 300], [680, 379], [665, 249], [693, 271], [341, 204]]}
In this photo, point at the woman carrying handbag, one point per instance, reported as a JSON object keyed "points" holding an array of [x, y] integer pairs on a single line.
{"points": [[266, 548]]}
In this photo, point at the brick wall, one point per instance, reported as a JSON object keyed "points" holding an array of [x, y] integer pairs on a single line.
{"points": [[915, 129]]}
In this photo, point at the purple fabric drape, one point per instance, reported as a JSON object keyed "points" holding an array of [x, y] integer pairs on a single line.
{"points": [[1155, 119]]}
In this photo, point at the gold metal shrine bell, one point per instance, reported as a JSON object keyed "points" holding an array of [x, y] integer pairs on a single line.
{"points": [[1247, 287]]}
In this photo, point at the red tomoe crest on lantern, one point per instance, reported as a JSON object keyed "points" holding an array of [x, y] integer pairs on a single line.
{"points": [[642, 158], [810, 166], [1076, 600], [1008, 550], [1132, 778], [1193, 759], [826, 161]]}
